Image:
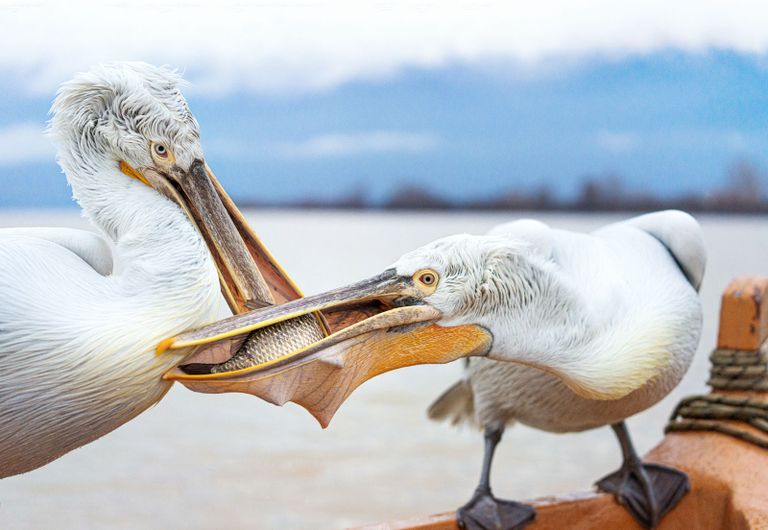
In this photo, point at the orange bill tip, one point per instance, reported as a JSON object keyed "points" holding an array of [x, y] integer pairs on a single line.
{"points": [[165, 345]]}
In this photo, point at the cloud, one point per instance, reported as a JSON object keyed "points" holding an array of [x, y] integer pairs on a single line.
{"points": [[280, 47], [617, 142], [737, 142], [23, 143], [338, 145]]}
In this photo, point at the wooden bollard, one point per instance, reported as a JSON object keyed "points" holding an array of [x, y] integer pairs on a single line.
{"points": [[744, 314], [729, 477]]}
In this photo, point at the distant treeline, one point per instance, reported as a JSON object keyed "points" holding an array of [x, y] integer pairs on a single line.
{"points": [[744, 191]]}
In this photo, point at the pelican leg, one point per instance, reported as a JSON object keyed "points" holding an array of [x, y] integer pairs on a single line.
{"points": [[647, 491], [486, 512]]}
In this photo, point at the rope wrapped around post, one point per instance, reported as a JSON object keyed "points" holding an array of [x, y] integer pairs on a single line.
{"points": [[697, 413], [739, 366], [739, 370]]}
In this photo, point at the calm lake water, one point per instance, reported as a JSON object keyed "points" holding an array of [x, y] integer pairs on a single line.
{"points": [[233, 461]]}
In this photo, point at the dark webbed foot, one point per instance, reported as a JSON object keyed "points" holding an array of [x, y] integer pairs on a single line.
{"points": [[486, 512], [648, 491]]}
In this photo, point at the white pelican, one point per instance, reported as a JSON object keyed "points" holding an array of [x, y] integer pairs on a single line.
{"points": [[77, 333], [568, 332]]}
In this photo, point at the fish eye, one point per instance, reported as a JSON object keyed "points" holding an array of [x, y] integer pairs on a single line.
{"points": [[427, 279]]}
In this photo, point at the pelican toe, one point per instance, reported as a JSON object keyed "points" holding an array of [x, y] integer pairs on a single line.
{"points": [[486, 512]]}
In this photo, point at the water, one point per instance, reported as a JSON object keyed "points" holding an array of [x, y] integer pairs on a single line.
{"points": [[232, 461]]}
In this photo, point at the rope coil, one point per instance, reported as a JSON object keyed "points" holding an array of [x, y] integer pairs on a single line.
{"points": [[739, 370], [731, 370]]}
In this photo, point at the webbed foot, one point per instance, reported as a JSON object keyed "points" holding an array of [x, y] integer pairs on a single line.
{"points": [[486, 512], [647, 491]]}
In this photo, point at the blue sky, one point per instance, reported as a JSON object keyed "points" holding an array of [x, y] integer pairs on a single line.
{"points": [[670, 115]]}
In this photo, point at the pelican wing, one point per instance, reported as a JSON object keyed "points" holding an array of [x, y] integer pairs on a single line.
{"points": [[538, 234], [88, 246], [681, 235], [54, 304]]}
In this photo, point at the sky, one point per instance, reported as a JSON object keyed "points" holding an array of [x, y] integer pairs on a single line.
{"points": [[313, 100]]}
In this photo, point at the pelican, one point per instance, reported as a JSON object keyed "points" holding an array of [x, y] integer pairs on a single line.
{"points": [[565, 332], [82, 313]]}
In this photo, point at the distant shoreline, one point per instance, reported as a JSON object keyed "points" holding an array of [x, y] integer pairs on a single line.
{"points": [[743, 192], [461, 208], [730, 209]]}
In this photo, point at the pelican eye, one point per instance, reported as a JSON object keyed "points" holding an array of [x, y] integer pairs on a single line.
{"points": [[161, 151], [426, 279]]}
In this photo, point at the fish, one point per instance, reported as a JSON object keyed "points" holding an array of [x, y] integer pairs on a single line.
{"points": [[269, 343], [266, 344]]}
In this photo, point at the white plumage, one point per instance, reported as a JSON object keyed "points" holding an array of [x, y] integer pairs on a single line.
{"points": [[610, 328], [80, 314]]}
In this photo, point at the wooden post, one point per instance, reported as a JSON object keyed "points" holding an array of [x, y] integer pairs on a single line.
{"points": [[729, 476], [744, 314]]}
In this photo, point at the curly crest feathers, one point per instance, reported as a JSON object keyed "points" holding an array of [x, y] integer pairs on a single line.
{"points": [[110, 111]]}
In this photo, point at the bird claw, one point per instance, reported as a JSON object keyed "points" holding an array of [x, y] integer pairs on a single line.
{"points": [[647, 491], [486, 512]]}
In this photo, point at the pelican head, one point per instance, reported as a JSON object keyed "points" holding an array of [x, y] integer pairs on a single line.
{"points": [[125, 130], [129, 113], [476, 279]]}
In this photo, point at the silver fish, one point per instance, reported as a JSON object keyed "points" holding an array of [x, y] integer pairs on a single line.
{"points": [[271, 342]]}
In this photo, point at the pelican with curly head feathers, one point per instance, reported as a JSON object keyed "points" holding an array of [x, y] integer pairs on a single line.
{"points": [[565, 332], [81, 314]]}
